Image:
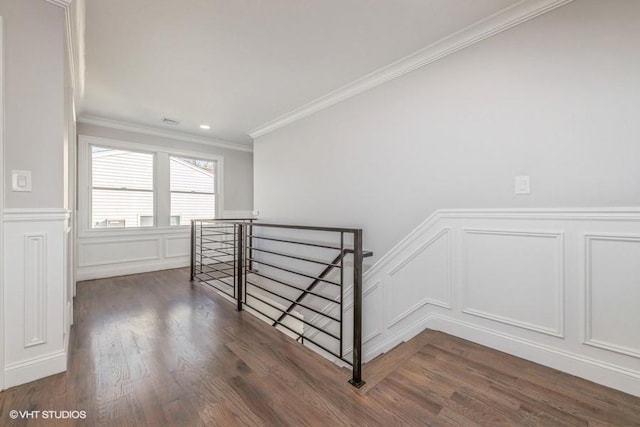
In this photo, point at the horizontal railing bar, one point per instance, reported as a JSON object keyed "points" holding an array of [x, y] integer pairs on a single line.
{"points": [[223, 220], [299, 334], [210, 276], [217, 261], [295, 287], [296, 242], [229, 268], [294, 317], [208, 273], [222, 242], [294, 272], [216, 228], [217, 233], [218, 250], [297, 304], [308, 227], [213, 268], [295, 257], [365, 254]]}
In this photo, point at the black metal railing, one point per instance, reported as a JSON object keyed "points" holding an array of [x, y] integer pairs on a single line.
{"points": [[293, 277]]}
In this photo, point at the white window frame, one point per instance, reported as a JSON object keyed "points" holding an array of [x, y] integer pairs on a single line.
{"points": [[161, 184], [171, 192]]}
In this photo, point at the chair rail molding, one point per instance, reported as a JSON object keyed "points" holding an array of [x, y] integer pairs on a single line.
{"points": [[541, 284]]}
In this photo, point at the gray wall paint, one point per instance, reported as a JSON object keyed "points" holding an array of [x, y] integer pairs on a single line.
{"points": [[238, 165], [556, 98], [34, 100]]}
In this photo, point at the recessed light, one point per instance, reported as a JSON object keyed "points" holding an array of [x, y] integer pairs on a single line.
{"points": [[206, 127]]}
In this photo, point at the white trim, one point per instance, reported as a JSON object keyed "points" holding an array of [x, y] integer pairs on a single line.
{"points": [[481, 30], [167, 252], [566, 214], [585, 367], [84, 193], [35, 214], [100, 233], [35, 290], [62, 3], [2, 270], [164, 133], [101, 242], [115, 270], [36, 368], [588, 318], [74, 41], [556, 235], [598, 371]]}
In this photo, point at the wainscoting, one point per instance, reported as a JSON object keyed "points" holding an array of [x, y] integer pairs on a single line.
{"points": [[110, 253], [37, 293], [557, 287]]}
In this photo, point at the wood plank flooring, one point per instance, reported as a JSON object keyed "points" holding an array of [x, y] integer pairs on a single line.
{"points": [[152, 350]]}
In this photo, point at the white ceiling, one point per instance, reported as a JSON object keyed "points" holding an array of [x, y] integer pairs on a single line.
{"points": [[238, 64]]}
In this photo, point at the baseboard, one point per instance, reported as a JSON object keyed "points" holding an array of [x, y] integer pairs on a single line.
{"points": [[581, 366], [402, 336], [36, 368], [120, 269]]}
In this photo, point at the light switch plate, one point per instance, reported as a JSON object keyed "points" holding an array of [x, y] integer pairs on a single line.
{"points": [[523, 185], [20, 180]]}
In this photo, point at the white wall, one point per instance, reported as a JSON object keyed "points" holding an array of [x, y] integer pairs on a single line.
{"points": [[35, 224], [559, 287], [555, 98], [238, 174], [108, 253], [34, 100]]}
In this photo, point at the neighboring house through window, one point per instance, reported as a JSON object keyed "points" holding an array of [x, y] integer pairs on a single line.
{"points": [[192, 189], [140, 186], [121, 188]]}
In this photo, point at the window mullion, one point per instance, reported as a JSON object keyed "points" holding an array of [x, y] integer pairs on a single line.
{"points": [[163, 199]]}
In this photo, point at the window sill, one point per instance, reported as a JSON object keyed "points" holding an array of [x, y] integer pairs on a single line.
{"points": [[142, 231]]}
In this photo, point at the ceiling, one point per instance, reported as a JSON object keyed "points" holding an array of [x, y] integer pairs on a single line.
{"points": [[238, 64]]}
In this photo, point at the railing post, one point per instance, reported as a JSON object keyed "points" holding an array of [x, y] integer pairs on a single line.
{"points": [[239, 265], [193, 249], [356, 380]]}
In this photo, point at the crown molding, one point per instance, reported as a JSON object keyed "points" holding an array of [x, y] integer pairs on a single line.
{"points": [[501, 21], [74, 19], [153, 131], [61, 3]]}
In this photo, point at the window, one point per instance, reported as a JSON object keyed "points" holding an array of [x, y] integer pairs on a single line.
{"points": [[121, 188], [192, 189], [132, 186]]}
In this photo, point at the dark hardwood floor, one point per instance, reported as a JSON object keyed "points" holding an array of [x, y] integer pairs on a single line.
{"points": [[151, 350]]}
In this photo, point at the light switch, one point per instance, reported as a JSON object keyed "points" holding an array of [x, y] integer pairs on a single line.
{"points": [[21, 180], [523, 185]]}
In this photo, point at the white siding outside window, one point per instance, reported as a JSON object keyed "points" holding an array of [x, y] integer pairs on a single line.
{"points": [[122, 193], [192, 187]]}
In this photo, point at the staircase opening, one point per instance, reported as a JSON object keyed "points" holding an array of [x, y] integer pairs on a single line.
{"points": [[306, 281]]}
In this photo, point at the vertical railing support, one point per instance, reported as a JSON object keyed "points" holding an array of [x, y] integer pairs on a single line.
{"points": [[356, 380], [239, 264], [193, 249]]}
